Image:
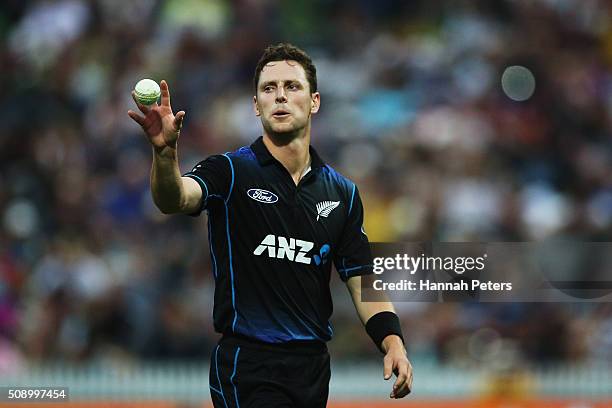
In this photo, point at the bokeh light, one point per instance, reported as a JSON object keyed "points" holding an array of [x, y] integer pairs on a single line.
{"points": [[518, 83]]}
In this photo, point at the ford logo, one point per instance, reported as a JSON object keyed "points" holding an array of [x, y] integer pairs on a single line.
{"points": [[263, 196]]}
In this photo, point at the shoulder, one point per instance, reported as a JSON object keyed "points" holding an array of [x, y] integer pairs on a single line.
{"points": [[233, 160], [244, 153], [215, 162], [333, 176], [346, 187]]}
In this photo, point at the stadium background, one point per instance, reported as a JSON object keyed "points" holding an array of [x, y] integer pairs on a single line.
{"points": [[101, 293]]}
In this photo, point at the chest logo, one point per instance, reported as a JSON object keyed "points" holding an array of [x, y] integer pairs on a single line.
{"points": [[286, 248], [326, 207], [263, 196]]}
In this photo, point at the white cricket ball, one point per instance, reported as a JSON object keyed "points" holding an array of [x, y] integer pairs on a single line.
{"points": [[147, 91]]}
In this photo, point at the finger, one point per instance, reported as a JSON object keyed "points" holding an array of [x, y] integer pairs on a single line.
{"points": [[401, 392], [401, 378], [405, 389], [143, 108], [387, 368], [137, 118], [401, 370], [178, 120], [165, 93]]}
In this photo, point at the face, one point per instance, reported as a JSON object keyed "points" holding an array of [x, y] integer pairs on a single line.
{"points": [[283, 101]]}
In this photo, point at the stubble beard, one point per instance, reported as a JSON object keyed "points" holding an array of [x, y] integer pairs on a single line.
{"points": [[284, 136]]}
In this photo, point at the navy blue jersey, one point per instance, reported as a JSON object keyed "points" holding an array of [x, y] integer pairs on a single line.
{"points": [[272, 243]]}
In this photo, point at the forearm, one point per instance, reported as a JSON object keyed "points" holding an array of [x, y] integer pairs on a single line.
{"points": [[383, 328], [365, 310], [166, 183]]}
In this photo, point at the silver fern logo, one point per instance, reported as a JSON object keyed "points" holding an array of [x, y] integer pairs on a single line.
{"points": [[325, 207]]}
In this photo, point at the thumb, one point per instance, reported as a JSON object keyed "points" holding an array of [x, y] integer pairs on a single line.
{"points": [[178, 119], [387, 368]]}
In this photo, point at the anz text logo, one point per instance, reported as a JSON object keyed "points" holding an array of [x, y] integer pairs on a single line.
{"points": [[292, 249], [263, 196], [286, 248]]}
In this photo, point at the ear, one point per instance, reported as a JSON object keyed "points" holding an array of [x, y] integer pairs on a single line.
{"points": [[255, 107], [315, 102]]}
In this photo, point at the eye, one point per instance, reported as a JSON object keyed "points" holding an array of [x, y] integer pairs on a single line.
{"points": [[268, 88], [293, 87]]}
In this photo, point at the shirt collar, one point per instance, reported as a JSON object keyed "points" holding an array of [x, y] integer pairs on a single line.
{"points": [[265, 157]]}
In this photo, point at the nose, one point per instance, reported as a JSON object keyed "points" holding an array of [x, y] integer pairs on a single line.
{"points": [[280, 95]]}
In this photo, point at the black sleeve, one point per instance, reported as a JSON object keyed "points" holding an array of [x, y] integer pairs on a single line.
{"points": [[353, 257], [214, 177]]}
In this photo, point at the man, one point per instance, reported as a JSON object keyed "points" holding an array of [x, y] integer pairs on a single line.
{"points": [[278, 215]]}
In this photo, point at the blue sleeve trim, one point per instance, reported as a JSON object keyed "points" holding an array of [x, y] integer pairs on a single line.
{"points": [[345, 271], [232, 184], [352, 197], [234, 374]]}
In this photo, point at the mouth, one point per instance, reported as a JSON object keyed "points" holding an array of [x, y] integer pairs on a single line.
{"points": [[279, 114]]}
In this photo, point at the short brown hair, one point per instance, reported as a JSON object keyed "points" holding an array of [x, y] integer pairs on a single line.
{"points": [[286, 51]]}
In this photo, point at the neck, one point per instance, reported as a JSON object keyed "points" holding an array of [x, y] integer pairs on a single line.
{"points": [[291, 152]]}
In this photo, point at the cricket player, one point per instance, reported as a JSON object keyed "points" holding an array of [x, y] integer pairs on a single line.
{"points": [[278, 216]]}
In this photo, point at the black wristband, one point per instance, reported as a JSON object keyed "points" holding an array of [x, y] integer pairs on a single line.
{"points": [[382, 325]]}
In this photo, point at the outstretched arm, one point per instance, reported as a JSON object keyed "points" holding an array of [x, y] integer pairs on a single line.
{"points": [[171, 192], [372, 315]]}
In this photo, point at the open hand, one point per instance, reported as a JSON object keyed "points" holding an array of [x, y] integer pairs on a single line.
{"points": [[160, 125]]}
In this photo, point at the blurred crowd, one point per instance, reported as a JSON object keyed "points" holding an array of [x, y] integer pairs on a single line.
{"points": [[413, 110]]}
